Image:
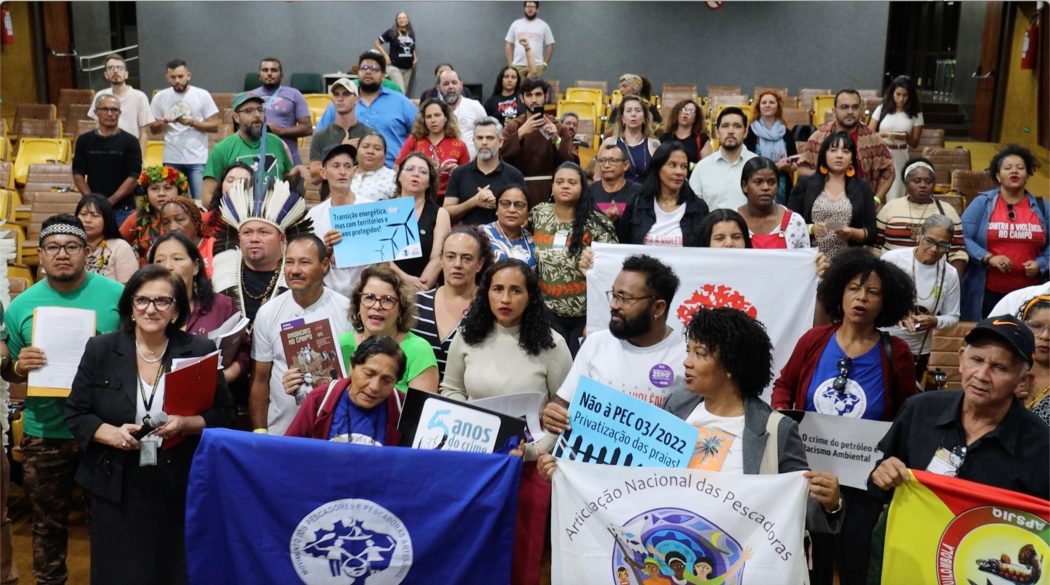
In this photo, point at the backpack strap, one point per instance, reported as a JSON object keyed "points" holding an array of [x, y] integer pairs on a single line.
{"points": [[771, 456]]}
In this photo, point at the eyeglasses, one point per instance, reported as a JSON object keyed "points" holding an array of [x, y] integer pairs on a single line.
{"points": [[258, 110], [160, 303], [116, 68], [941, 246], [1036, 327], [843, 378], [70, 249], [385, 302], [416, 170], [372, 68], [108, 110], [507, 204], [1010, 212], [609, 160], [624, 300]]}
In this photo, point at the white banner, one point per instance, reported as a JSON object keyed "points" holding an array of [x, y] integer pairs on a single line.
{"points": [[776, 287], [847, 447], [633, 526]]}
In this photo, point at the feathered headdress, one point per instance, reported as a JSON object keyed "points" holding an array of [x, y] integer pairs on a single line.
{"points": [[278, 206]]}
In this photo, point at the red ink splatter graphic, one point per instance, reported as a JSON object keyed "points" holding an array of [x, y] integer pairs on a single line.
{"points": [[713, 296]]}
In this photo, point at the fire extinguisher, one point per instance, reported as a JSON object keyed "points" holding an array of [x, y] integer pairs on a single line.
{"points": [[7, 30], [1030, 48]]}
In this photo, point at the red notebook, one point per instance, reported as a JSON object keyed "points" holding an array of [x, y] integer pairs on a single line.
{"points": [[190, 390]]}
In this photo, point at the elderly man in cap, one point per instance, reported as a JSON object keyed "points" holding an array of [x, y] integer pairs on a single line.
{"points": [[51, 454], [982, 433], [244, 146], [344, 129]]}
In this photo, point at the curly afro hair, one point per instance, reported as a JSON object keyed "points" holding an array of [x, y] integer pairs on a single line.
{"points": [[898, 290], [740, 344], [479, 321]]}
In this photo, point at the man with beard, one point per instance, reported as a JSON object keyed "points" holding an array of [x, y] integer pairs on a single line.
{"points": [[135, 113], [639, 354], [535, 144], [108, 160], [389, 112], [875, 161], [470, 196], [243, 146], [537, 33], [466, 110], [51, 453], [277, 390], [287, 113], [185, 114], [716, 178]]}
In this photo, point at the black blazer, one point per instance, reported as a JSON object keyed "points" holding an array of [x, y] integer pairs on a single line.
{"points": [[859, 193], [104, 391], [640, 216]]}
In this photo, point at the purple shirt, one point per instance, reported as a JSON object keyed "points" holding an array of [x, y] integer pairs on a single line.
{"points": [[283, 108], [202, 322]]}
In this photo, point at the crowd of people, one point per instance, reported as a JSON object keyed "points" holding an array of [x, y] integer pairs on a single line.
{"points": [[497, 302]]}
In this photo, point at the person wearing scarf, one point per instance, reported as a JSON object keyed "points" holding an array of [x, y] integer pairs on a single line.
{"points": [[768, 137]]}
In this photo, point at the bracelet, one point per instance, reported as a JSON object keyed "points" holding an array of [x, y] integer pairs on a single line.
{"points": [[810, 229], [261, 431], [837, 509], [877, 200], [14, 369]]}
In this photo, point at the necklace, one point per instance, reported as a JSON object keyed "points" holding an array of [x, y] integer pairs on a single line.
{"points": [[935, 292], [141, 354], [265, 292], [915, 224], [1031, 402]]}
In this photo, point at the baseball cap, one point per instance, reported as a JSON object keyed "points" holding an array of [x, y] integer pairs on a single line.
{"points": [[1008, 329], [344, 82], [338, 149], [242, 98]]}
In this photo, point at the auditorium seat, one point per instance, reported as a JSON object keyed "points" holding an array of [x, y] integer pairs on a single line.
{"points": [[251, 81], [968, 183], [671, 94], [805, 97], [222, 100], [928, 138], [821, 105], [307, 82], [602, 85], [795, 116], [33, 128], [6, 150], [317, 102], [945, 161], [74, 113], [68, 96], [713, 90], [944, 353], [38, 150], [585, 110], [6, 181], [154, 153]]}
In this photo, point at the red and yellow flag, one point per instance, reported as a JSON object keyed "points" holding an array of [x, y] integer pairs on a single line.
{"points": [[947, 531]]}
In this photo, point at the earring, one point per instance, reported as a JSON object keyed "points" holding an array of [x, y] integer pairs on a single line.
{"points": [[823, 170], [850, 171], [196, 289], [729, 376]]}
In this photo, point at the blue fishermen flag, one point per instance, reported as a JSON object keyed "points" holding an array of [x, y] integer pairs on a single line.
{"points": [[286, 510]]}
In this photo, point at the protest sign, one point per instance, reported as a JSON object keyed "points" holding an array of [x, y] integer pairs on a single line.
{"points": [[430, 421], [376, 232], [642, 525], [613, 428], [845, 446]]}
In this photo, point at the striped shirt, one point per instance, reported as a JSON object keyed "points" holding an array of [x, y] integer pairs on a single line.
{"points": [[426, 327], [900, 220]]}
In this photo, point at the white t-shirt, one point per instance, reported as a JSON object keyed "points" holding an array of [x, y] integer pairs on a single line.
{"points": [[467, 112], [720, 444], [927, 282], [896, 122], [134, 110], [184, 145], [267, 346], [538, 33], [341, 280], [667, 231], [647, 373]]}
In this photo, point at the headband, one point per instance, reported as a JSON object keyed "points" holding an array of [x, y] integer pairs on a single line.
{"points": [[917, 165], [1033, 302], [68, 229]]}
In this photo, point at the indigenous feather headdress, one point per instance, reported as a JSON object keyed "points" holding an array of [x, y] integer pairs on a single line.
{"points": [[278, 206]]}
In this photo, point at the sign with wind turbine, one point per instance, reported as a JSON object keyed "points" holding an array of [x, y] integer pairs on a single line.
{"points": [[376, 232]]}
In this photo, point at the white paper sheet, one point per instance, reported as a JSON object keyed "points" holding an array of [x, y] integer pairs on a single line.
{"points": [[62, 333]]}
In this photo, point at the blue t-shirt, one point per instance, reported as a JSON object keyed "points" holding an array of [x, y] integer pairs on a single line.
{"points": [[391, 114], [284, 106], [354, 424], [863, 395]]}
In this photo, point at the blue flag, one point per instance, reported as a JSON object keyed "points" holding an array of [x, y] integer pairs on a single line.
{"points": [[286, 510]]}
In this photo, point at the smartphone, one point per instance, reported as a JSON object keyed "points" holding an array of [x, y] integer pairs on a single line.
{"points": [[536, 110]]}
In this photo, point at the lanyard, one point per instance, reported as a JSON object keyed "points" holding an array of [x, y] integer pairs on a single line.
{"points": [[148, 403]]}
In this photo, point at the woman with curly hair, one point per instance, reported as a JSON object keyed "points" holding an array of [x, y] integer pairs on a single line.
{"points": [[562, 229], [506, 344], [161, 183], [850, 368], [436, 134], [383, 303], [181, 214], [685, 126]]}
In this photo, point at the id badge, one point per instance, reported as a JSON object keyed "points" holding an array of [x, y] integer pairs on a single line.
{"points": [[148, 452], [945, 462], [560, 239]]}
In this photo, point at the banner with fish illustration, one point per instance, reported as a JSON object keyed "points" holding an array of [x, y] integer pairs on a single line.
{"points": [[948, 531], [637, 526], [776, 287]]}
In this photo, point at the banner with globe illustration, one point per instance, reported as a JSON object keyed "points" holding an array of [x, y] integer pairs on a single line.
{"points": [[636, 526], [947, 531], [776, 287]]}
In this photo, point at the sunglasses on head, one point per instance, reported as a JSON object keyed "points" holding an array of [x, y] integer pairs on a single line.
{"points": [[1010, 212], [842, 379]]}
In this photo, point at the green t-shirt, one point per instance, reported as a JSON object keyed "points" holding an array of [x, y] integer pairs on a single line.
{"points": [[234, 149], [418, 355], [46, 417]]}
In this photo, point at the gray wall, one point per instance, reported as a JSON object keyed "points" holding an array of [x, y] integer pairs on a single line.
{"points": [[791, 44]]}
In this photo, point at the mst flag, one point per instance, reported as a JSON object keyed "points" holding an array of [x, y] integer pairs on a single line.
{"points": [[776, 287], [947, 531], [286, 510], [640, 525]]}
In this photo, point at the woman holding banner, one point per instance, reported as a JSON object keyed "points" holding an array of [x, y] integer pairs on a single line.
{"points": [[131, 464], [362, 408], [666, 212], [849, 368]]}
